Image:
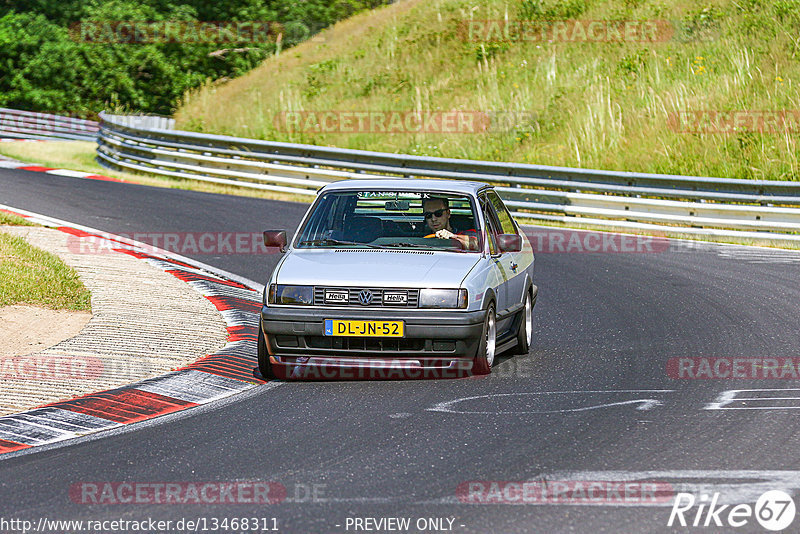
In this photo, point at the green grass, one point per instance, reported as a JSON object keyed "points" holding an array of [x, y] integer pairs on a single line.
{"points": [[8, 219], [32, 276], [593, 105]]}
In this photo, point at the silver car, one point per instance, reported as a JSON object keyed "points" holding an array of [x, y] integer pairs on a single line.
{"points": [[398, 278]]}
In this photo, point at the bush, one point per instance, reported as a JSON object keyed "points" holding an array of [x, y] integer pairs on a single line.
{"points": [[47, 68]]}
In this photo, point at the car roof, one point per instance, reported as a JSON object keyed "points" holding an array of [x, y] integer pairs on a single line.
{"points": [[407, 184]]}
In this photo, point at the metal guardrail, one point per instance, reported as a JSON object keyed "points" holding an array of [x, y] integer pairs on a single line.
{"points": [[762, 209], [30, 125]]}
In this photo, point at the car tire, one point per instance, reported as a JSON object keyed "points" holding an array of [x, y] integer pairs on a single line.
{"points": [[525, 330], [264, 365], [484, 358]]}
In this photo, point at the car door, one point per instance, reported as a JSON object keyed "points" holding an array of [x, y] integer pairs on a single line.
{"points": [[500, 269], [514, 262]]}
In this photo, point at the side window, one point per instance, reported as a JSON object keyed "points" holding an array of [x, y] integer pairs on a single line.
{"points": [[491, 225], [317, 220], [503, 216]]}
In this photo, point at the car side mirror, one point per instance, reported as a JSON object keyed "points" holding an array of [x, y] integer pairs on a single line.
{"points": [[275, 238], [509, 242]]}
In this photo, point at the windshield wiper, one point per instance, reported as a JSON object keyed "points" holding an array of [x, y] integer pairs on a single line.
{"points": [[419, 245], [329, 241]]}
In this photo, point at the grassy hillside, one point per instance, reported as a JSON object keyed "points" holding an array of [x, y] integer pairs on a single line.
{"points": [[594, 104]]}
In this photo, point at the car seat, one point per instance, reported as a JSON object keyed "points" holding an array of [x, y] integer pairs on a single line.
{"points": [[462, 222], [363, 229]]}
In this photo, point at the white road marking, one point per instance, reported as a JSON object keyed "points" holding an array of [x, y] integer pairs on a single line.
{"points": [[50, 425], [734, 487], [194, 386], [71, 174], [759, 255], [725, 398], [643, 404]]}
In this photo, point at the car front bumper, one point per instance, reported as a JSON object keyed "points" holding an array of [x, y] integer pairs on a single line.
{"points": [[433, 339]]}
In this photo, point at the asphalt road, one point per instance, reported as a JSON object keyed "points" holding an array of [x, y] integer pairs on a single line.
{"points": [[591, 402]]}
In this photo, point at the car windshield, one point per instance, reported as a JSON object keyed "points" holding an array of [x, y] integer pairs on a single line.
{"points": [[392, 219]]}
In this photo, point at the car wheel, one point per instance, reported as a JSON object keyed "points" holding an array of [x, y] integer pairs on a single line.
{"points": [[525, 331], [484, 359], [264, 364]]}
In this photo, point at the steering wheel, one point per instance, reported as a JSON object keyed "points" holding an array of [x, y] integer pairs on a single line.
{"points": [[458, 241]]}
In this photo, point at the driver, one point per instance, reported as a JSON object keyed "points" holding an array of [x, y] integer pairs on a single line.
{"points": [[436, 211]]}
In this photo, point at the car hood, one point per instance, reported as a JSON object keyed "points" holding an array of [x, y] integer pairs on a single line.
{"points": [[370, 268]]}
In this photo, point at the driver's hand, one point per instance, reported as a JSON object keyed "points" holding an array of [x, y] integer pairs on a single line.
{"points": [[445, 234]]}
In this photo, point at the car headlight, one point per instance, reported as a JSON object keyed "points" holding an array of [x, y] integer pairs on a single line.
{"points": [[281, 294], [443, 298]]}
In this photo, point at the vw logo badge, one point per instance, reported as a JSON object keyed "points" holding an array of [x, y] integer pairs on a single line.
{"points": [[365, 297]]}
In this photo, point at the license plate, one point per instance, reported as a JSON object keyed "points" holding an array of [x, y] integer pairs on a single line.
{"points": [[336, 327]]}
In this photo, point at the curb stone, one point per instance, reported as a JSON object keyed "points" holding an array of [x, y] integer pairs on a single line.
{"points": [[144, 322], [215, 376]]}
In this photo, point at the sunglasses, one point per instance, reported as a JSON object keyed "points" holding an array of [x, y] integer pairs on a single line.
{"points": [[437, 213]]}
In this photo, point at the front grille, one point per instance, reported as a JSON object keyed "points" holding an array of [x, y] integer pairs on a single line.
{"points": [[365, 343], [377, 297]]}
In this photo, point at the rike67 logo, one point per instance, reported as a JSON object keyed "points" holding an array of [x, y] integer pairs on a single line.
{"points": [[774, 510]]}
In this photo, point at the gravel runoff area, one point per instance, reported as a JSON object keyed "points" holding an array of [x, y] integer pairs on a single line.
{"points": [[145, 322]]}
